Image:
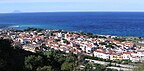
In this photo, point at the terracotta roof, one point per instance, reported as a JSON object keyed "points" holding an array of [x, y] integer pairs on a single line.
{"points": [[126, 52]]}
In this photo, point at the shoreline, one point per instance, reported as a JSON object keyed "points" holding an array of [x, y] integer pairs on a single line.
{"points": [[140, 39], [21, 27]]}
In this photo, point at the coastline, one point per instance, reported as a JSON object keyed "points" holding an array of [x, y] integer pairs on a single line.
{"points": [[22, 27], [139, 40]]}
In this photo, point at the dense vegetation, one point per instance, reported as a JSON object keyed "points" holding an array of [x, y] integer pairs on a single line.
{"points": [[15, 59], [120, 39], [140, 67], [11, 59]]}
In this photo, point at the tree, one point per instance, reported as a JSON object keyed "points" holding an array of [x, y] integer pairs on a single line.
{"points": [[103, 43], [5, 53], [54, 58], [108, 69], [2, 64], [5, 47], [119, 39], [82, 33], [11, 59], [140, 67], [70, 59], [65, 41], [45, 68], [66, 66], [99, 67], [32, 62], [88, 67]]}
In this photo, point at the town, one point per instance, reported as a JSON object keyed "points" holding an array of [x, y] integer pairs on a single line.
{"points": [[100, 46]]}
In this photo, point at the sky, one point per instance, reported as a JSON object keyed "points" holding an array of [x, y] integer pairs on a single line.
{"points": [[8, 6]]}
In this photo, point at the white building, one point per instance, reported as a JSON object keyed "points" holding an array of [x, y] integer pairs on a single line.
{"points": [[101, 54]]}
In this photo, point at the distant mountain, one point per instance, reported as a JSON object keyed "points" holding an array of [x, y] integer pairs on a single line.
{"points": [[16, 11]]}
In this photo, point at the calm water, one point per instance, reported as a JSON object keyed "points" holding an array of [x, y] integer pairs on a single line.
{"points": [[107, 23]]}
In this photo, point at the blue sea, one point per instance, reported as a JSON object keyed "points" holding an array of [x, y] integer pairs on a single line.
{"points": [[105, 23]]}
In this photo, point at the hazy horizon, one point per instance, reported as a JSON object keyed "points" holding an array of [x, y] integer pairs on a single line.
{"points": [[20, 12], [8, 6]]}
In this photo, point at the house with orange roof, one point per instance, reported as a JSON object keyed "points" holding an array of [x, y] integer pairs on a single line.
{"points": [[126, 55], [128, 44], [135, 57], [101, 54]]}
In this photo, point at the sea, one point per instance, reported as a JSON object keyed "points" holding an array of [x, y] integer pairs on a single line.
{"points": [[103, 23]]}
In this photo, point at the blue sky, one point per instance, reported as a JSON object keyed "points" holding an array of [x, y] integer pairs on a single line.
{"points": [[7, 6]]}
